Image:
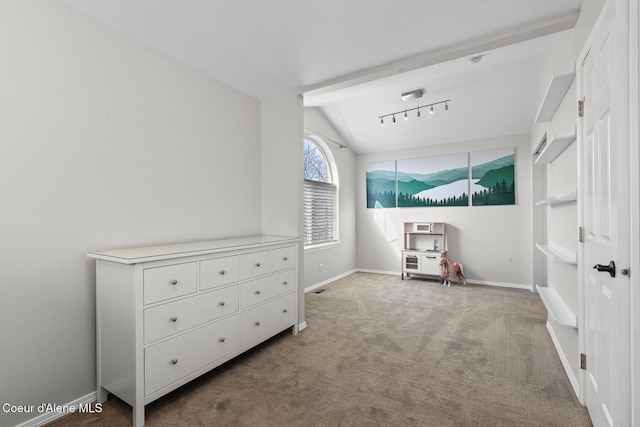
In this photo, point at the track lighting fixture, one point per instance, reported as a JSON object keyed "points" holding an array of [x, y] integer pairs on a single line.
{"points": [[415, 94]]}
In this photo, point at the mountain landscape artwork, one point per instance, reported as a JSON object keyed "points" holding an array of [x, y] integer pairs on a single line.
{"points": [[381, 184], [434, 181], [479, 178], [493, 177]]}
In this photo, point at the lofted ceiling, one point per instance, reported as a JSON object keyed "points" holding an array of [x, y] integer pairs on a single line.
{"points": [[353, 58]]}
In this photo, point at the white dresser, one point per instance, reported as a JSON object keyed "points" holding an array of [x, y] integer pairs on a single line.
{"points": [[167, 314]]}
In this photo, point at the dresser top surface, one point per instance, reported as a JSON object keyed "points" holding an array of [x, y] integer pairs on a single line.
{"points": [[179, 250]]}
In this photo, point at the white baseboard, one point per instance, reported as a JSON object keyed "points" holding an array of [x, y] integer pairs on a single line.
{"points": [[397, 273], [499, 284], [48, 417], [302, 326], [367, 270], [326, 282], [565, 362]]}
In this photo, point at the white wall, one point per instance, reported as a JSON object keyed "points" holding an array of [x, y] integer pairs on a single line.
{"points": [[340, 259], [103, 144], [492, 242], [281, 179]]}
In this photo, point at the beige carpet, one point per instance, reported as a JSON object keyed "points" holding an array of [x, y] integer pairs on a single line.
{"points": [[379, 351]]}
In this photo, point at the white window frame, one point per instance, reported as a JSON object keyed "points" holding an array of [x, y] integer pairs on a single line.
{"points": [[333, 172]]}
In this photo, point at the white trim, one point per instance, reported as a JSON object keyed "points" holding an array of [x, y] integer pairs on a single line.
{"points": [[302, 326], [367, 270], [499, 284], [469, 281], [634, 189], [326, 282], [563, 359], [48, 417]]}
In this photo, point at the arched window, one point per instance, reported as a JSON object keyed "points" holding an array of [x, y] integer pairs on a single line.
{"points": [[320, 193]]}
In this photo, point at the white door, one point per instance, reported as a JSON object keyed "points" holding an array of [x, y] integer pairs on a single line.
{"points": [[605, 185]]}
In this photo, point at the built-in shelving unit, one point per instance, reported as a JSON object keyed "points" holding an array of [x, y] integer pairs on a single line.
{"points": [[557, 308], [554, 147], [555, 176], [556, 90], [568, 197], [558, 253]]}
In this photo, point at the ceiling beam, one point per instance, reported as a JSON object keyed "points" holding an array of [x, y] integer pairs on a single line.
{"points": [[474, 47]]}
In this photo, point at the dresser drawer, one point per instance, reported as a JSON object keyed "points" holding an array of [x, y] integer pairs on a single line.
{"points": [[177, 316], [171, 360], [256, 264], [266, 318], [265, 288], [218, 272], [162, 283], [283, 258]]}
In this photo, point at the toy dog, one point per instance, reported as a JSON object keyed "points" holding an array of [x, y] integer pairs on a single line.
{"points": [[447, 269]]}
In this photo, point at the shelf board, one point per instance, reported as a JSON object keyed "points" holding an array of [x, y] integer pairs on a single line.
{"points": [[569, 197], [556, 90], [558, 253], [557, 308], [554, 147]]}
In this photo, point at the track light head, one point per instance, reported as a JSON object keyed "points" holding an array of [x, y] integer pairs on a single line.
{"points": [[418, 108]]}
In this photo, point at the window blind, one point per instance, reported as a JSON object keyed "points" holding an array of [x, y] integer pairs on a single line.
{"points": [[319, 212]]}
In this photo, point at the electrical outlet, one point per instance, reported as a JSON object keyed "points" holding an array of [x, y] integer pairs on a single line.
{"points": [[320, 267]]}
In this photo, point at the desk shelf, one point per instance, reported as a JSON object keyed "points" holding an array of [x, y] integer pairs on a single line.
{"points": [[558, 253], [554, 148], [556, 90], [569, 197], [557, 308]]}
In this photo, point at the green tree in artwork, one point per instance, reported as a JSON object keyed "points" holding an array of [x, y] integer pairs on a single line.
{"points": [[501, 193]]}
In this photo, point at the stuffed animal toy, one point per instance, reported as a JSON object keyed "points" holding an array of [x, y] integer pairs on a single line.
{"points": [[447, 269], [459, 270]]}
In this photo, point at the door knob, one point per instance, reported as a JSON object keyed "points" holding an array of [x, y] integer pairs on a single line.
{"points": [[611, 268]]}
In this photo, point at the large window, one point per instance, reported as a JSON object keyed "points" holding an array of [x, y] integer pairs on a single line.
{"points": [[320, 195]]}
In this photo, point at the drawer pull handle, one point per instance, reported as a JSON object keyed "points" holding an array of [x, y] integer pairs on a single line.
{"points": [[257, 264], [285, 259], [285, 283], [222, 339], [257, 291], [222, 272], [257, 323], [174, 319], [174, 361], [284, 310], [174, 282], [221, 303]]}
